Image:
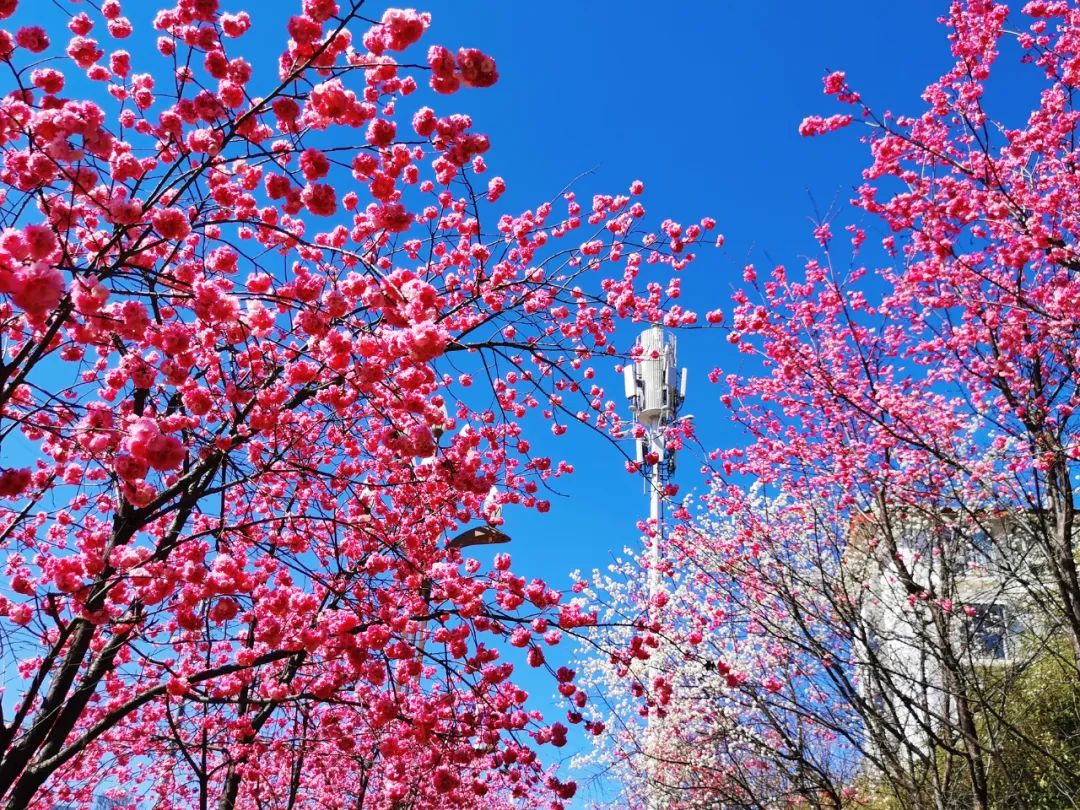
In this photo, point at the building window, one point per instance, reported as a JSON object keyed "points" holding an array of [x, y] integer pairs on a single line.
{"points": [[986, 631], [982, 547]]}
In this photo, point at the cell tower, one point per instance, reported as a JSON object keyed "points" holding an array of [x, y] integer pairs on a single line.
{"points": [[655, 388]]}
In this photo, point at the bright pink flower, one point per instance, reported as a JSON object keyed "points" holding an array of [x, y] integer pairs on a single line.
{"points": [[89, 295], [14, 482], [80, 24], [222, 260], [477, 69], [816, 125], [48, 80], [164, 452], [424, 121], [142, 429], [171, 223], [123, 211], [120, 28], [314, 164], [277, 186], [834, 82], [320, 10], [427, 341], [120, 63], [204, 10], [260, 283], [364, 165], [382, 187], [445, 84], [330, 100], [235, 25], [41, 242], [392, 217], [84, 52], [38, 288], [441, 61], [140, 493], [21, 614], [320, 199], [33, 38], [445, 780], [381, 132], [403, 27], [303, 29], [287, 111], [198, 401], [130, 468]]}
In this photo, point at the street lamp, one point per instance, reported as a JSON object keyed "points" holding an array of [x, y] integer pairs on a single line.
{"points": [[486, 535], [478, 536]]}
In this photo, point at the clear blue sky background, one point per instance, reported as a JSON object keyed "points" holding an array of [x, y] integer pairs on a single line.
{"points": [[701, 101]]}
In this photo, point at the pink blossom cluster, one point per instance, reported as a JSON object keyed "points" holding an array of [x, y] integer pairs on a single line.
{"points": [[816, 125], [470, 67], [241, 318]]}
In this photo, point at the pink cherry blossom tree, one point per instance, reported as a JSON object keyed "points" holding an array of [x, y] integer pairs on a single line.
{"points": [[917, 421], [268, 345]]}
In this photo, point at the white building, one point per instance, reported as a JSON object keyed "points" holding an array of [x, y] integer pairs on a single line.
{"points": [[937, 602]]}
